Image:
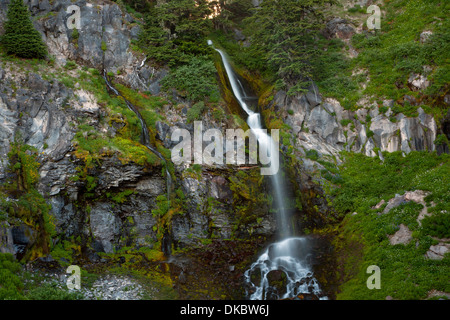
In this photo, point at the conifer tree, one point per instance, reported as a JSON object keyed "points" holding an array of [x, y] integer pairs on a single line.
{"points": [[21, 38]]}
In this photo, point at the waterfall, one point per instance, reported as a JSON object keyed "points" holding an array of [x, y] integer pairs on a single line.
{"points": [[145, 134], [290, 254]]}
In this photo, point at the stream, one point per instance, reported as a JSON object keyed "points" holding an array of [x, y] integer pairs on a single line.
{"points": [[145, 136], [286, 260]]}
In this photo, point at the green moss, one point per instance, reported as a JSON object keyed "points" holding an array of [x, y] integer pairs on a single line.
{"points": [[29, 207], [250, 202]]}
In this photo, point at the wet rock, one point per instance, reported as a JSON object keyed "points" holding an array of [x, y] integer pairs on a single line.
{"points": [[238, 35], [278, 281], [113, 173], [306, 296], [162, 131], [313, 96]]}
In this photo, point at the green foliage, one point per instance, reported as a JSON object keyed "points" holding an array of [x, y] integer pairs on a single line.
{"points": [[65, 251], [121, 197], [405, 272], [162, 206], [51, 291], [441, 139], [332, 72], [24, 165], [345, 122], [283, 35], [312, 154], [93, 145], [195, 112], [75, 34], [367, 180], [11, 284], [70, 65], [437, 225], [104, 47], [196, 79], [395, 52], [29, 206], [356, 8], [249, 200], [21, 38], [231, 13], [174, 31]]}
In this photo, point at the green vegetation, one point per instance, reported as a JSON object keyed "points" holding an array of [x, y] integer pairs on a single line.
{"points": [[249, 200], [28, 206], [405, 272], [183, 35], [51, 291], [195, 112], [17, 284], [21, 38], [388, 57], [93, 145], [11, 284], [196, 79], [283, 35]]}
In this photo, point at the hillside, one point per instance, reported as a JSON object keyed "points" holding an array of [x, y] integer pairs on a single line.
{"points": [[89, 132]]}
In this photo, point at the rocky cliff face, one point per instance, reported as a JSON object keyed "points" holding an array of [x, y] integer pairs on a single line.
{"points": [[46, 112], [103, 40]]}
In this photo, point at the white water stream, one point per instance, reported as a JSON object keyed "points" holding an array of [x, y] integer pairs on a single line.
{"points": [[290, 255]]}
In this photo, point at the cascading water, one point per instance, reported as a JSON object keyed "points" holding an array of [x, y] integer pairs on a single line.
{"points": [[145, 133], [290, 255]]}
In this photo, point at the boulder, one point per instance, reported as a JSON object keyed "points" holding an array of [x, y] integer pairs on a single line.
{"points": [[438, 251], [402, 236], [394, 202], [339, 28]]}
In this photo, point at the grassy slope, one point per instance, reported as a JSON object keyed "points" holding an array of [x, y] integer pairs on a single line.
{"points": [[405, 272], [390, 55]]}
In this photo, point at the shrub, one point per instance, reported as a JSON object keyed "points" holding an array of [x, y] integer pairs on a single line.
{"points": [[312, 154], [50, 291], [10, 283], [70, 65], [195, 112], [196, 79], [21, 38], [437, 225]]}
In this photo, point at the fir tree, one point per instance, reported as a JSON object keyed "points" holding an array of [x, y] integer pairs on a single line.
{"points": [[284, 32], [21, 38]]}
